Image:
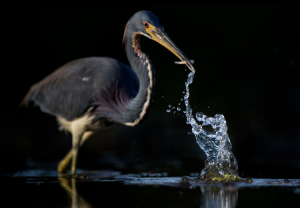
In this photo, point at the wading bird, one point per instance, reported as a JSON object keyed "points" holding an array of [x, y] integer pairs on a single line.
{"points": [[89, 94]]}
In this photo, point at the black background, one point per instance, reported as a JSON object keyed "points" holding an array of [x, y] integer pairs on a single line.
{"points": [[246, 58]]}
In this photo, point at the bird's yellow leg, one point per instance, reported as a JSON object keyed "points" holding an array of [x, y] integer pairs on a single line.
{"points": [[63, 164], [76, 139]]}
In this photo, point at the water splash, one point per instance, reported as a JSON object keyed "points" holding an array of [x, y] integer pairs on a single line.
{"points": [[220, 164]]}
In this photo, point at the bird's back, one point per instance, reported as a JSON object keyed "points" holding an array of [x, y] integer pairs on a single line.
{"points": [[103, 83]]}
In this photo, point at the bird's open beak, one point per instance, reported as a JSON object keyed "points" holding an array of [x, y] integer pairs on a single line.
{"points": [[161, 37]]}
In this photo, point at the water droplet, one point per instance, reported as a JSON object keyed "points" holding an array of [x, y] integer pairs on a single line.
{"points": [[168, 110], [192, 121], [196, 129], [219, 117], [179, 109], [169, 106], [211, 134], [208, 107], [200, 116], [219, 135]]}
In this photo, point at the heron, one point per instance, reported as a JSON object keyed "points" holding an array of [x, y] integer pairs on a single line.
{"points": [[89, 94]]}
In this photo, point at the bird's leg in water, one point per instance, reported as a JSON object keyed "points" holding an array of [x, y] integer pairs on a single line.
{"points": [[62, 165], [76, 139]]}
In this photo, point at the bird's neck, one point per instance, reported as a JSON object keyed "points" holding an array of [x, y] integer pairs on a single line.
{"points": [[141, 65]]}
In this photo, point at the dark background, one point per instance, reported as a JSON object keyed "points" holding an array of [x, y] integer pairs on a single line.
{"points": [[246, 58]]}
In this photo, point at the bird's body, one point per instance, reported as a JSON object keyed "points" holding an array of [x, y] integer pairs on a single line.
{"points": [[102, 85], [91, 93]]}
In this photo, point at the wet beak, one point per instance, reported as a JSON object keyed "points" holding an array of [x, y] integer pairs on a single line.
{"points": [[161, 37]]}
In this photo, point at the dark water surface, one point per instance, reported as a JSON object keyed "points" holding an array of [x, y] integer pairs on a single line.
{"points": [[111, 189]]}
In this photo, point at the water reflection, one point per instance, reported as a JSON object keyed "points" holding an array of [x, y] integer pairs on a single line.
{"points": [[76, 201], [219, 196], [110, 189]]}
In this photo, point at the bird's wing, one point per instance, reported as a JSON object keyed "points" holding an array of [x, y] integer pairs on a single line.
{"points": [[67, 92], [99, 82]]}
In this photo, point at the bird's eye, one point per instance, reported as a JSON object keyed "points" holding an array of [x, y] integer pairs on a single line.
{"points": [[146, 25]]}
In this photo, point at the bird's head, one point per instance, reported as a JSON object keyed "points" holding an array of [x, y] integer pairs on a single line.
{"points": [[146, 23]]}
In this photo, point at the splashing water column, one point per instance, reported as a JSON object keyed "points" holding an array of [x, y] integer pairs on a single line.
{"points": [[220, 165]]}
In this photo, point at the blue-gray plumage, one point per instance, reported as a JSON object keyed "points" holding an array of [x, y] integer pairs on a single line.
{"points": [[90, 93], [80, 84]]}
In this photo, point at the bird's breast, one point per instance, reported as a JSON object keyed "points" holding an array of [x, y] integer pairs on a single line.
{"points": [[86, 121]]}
